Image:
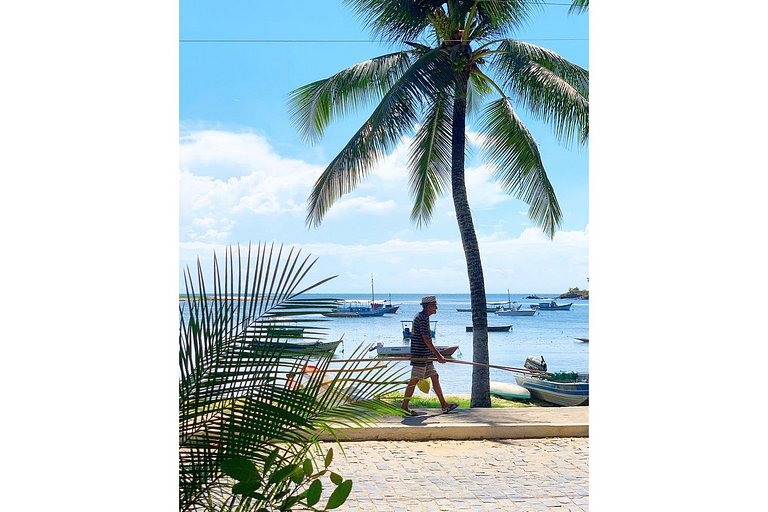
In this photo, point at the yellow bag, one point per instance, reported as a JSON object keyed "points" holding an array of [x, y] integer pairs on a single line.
{"points": [[423, 385]]}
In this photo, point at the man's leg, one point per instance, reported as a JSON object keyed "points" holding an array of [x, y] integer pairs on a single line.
{"points": [[438, 390], [410, 388]]}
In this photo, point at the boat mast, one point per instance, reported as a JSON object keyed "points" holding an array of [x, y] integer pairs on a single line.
{"points": [[372, 296]]}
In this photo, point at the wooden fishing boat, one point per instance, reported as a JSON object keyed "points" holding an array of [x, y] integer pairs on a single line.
{"points": [[559, 388], [494, 328], [490, 307], [509, 391], [552, 306], [306, 347], [354, 309], [405, 350]]}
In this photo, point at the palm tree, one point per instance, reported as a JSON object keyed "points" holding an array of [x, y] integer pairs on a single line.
{"points": [[251, 405], [431, 89]]}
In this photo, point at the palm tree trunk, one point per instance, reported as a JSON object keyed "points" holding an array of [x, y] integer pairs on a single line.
{"points": [[481, 396]]}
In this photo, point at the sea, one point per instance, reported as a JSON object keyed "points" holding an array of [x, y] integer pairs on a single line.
{"points": [[548, 334]]}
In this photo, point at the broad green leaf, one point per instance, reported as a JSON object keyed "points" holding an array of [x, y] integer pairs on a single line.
{"points": [[314, 492], [339, 495], [240, 469], [297, 475], [246, 488], [281, 473], [329, 457], [307, 467], [336, 478]]}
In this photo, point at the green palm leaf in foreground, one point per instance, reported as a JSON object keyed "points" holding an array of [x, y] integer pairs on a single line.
{"points": [[464, 64], [250, 405]]}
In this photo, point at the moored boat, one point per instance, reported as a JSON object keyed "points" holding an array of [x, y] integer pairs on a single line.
{"points": [[552, 306], [559, 388], [303, 347], [354, 309], [494, 328], [490, 307], [405, 350], [407, 329], [514, 309]]}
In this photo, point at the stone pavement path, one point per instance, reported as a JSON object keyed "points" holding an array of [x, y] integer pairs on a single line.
{"points": [[549, 474]]}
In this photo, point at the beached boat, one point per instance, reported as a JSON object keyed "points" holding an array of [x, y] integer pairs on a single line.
{"points": [[354, 309], [405, 350], [559, 388], [494, 328], [407, 329], [551, 306], [509, 391]]}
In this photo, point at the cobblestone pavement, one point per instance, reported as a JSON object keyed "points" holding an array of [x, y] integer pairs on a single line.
{"points": [[494, 475]]}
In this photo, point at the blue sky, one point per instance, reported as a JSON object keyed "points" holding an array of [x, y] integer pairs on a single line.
{"points": [[246, 174]]}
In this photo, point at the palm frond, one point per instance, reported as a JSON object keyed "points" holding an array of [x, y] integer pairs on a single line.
{"points": [[240, 389], [396, 20], [495, 18], [552, 88], [395, 115], [578, 6], [430, 159], [314, 106], [519, 168]]}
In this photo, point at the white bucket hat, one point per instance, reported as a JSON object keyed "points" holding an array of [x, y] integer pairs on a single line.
{"points": [[429, 299]]}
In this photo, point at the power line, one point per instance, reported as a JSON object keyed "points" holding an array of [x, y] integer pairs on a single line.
{"points": [[343, 40]]}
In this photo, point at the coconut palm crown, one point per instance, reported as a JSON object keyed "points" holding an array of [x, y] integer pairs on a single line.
{"points": [[459, 63]]}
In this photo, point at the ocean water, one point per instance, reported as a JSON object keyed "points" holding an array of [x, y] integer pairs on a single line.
{"points": [[550, 334]]}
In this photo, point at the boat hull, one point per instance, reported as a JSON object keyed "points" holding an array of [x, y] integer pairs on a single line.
{"points": [[516, 312], [493, 328], [509, 391], [405, 350], [558, 393]]}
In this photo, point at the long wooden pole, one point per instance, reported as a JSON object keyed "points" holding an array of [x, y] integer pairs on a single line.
{"points": [[447, 360]]}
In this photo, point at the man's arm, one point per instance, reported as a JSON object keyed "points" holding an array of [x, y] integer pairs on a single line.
{"points": [[428, 342]]}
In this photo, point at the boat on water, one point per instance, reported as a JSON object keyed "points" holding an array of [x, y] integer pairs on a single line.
{"points": [[407, 329], [405, 350], [307, 347], [494, 328], [490, 307], [551, 306], [515, 309], [559, 388], [583, 340], [354, 309], [386, 305], [509, 391]]}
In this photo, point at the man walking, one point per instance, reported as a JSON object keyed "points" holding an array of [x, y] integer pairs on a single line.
{"points": [[422, 348]]}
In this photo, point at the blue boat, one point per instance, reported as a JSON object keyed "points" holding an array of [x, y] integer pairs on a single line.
{"points": [[407, 329], [354, 309]]}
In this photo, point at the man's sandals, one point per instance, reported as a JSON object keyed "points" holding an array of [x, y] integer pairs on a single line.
{"points": [[449, 408]]}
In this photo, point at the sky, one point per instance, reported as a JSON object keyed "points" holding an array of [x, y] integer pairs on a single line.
{"points": [[246, 173]]}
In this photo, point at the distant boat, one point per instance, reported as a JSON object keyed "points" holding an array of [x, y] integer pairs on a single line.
{"points": [[583, 340], [387, 305], [405, 350], [490, 307], [509, 391], [551, 306], [514, 309], [494, 328], [303, 347], [407, 329], [353, 309]]}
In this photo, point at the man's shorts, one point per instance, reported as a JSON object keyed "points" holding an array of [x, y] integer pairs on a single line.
{"points": [[423, 372]]}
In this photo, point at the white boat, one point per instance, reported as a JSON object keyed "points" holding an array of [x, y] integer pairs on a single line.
{"points": [[405, 350], [559, 388], [509, 391], [490, 307], [514, 309]]}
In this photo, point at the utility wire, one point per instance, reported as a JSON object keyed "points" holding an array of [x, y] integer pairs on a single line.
{"points": [[344, 40]]}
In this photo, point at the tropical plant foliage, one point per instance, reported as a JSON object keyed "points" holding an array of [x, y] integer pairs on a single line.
{"points": [[251, 403], [459, 63]]}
